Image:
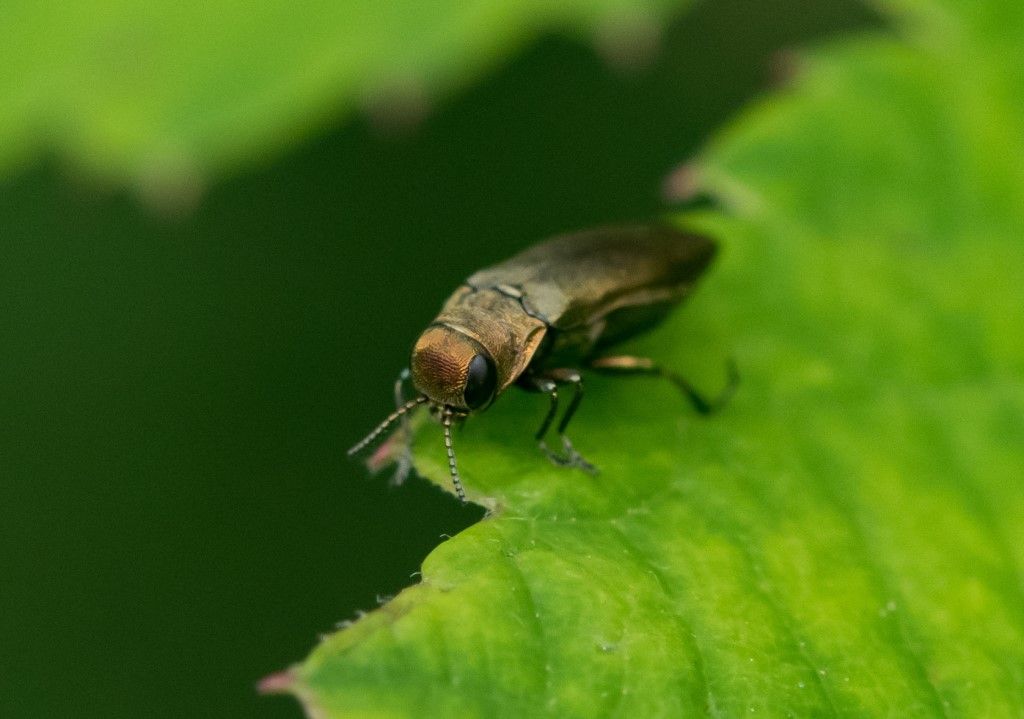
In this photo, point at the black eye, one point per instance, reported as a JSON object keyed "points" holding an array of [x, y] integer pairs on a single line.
{"points": [[480, 382]]}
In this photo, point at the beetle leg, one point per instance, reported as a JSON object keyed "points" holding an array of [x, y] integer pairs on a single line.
{"points": [[571, 376], [403, 463], [548, 384], [644, 365], [548, 387]]}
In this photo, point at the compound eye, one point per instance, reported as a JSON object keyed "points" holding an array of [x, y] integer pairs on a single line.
{"points": [[481, 381]]}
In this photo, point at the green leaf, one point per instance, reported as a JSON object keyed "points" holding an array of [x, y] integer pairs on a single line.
{"points": [[847, 536], [166, 91]]}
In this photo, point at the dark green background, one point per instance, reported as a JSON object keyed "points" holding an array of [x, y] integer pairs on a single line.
{"points": [[177, 515]]}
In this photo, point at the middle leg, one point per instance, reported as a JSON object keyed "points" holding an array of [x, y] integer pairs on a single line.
{"points": [[548, 384]]}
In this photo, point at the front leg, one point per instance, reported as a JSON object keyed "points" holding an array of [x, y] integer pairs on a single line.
{"points": [[548, 382], [403, 462]]}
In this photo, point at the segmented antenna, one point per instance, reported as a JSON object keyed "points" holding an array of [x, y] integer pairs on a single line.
{"points": [[380, 428], [447, 420]]}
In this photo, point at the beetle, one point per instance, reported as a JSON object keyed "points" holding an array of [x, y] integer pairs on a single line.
{"points": [[538, 318]]}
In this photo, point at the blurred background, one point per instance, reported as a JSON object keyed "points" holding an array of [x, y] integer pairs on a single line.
{"points": [[184, 362]]}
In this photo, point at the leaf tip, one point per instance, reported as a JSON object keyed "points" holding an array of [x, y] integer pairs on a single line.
{"points": [[682, 183], [171, 183], [389, 452], [399, 107], [629, 43], [785, 67], [282, 682]]}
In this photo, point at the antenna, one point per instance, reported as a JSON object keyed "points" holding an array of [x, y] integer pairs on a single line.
{"points": [[380, 428], [452, 467]]}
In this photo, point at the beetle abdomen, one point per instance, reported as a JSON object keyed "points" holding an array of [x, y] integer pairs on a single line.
{"points": [[579, 279]]}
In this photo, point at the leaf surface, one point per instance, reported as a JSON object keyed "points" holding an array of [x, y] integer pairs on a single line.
{"points": [[847, 536]]}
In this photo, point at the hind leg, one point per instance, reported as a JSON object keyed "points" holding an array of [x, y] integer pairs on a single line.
{"points": [[642, 365]]}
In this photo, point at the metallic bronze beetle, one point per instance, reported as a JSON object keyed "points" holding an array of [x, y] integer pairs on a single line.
{"points": [[538, 318]]}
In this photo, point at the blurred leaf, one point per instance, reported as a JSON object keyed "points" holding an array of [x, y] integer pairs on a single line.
{"points": [[847, 537], [163, 93]]}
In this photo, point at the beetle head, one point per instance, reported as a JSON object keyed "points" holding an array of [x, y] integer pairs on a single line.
{"points": [[453, 370], [454, 374]]}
